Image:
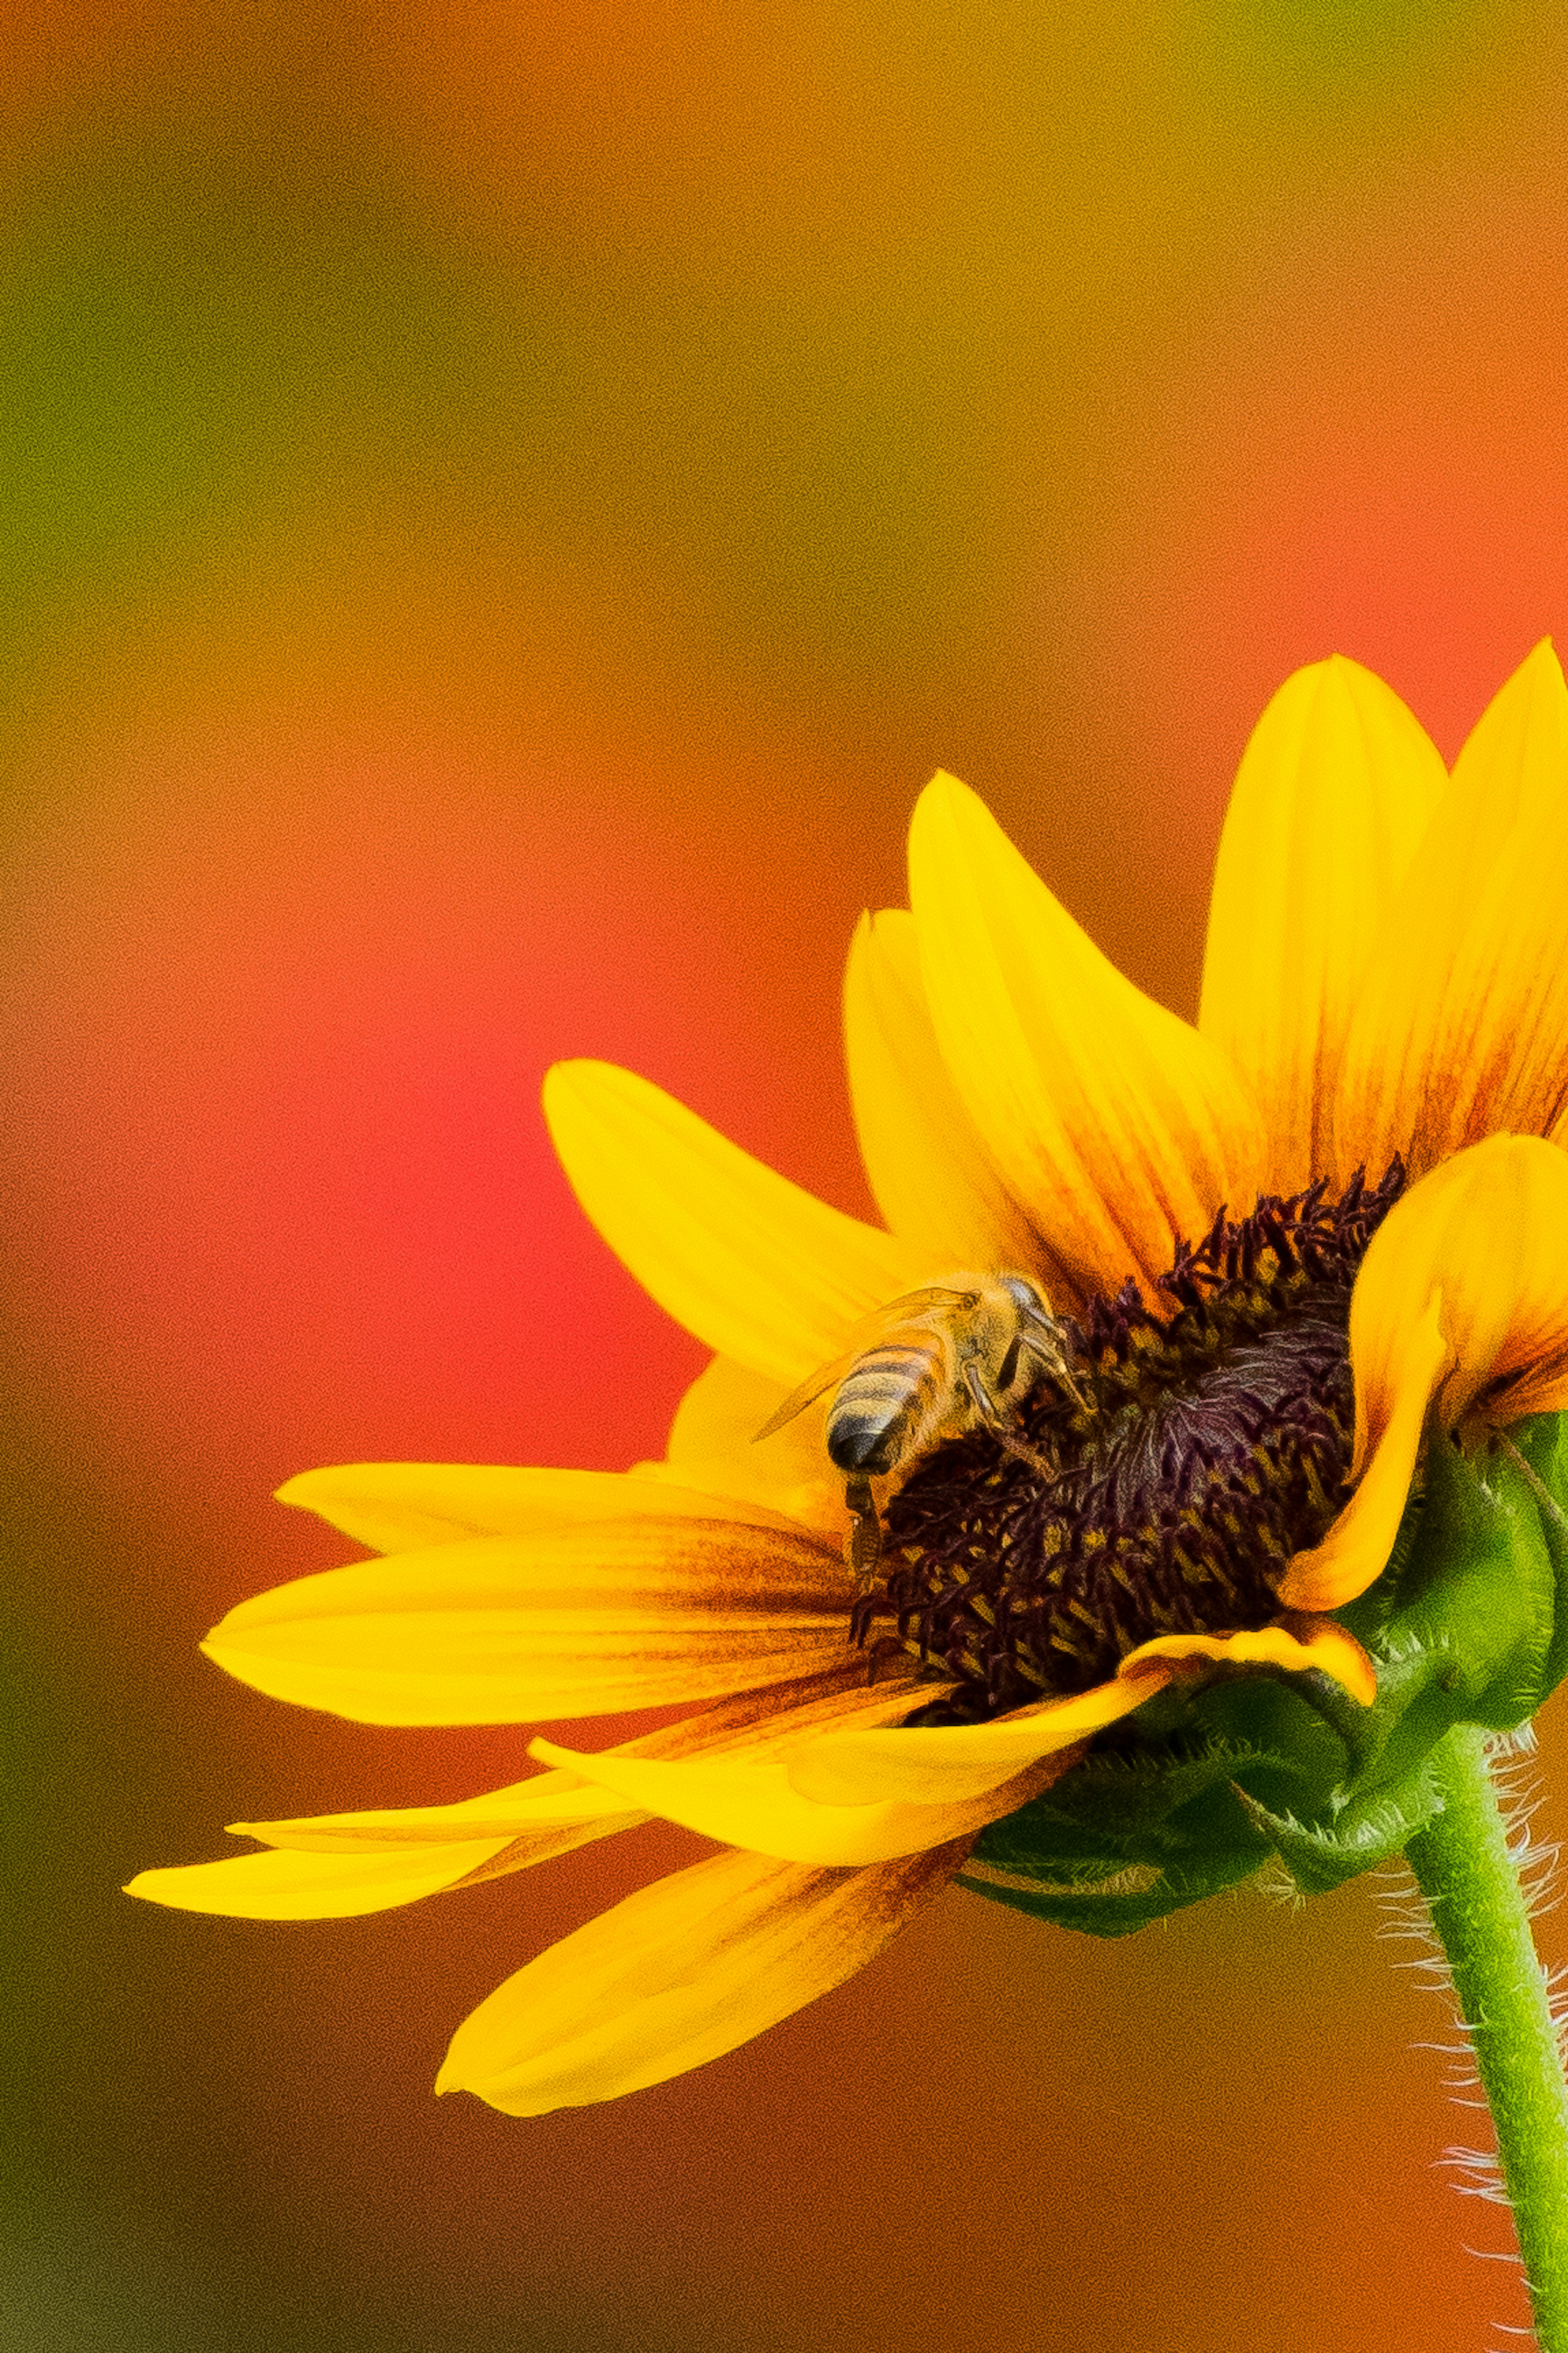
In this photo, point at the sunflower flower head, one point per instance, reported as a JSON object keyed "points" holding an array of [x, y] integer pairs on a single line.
{"points": [[1137, 1507]]}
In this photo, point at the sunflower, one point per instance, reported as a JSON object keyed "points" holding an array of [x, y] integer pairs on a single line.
{"points": [[1279, 1249]]}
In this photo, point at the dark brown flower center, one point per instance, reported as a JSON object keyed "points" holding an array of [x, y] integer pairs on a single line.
{"points": [[1211, 1446]]}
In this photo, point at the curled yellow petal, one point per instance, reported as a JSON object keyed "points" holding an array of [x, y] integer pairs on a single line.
{"points": [[755, 1267], [1116, 1127], [408, 1506], [928, 1168], [1297, 1643], [942, 1765], [585, 1621], [1335, 790], [1355, 1552], [1462, 1026], [1489, 1231], [1526, 1370], [681, 1973]]}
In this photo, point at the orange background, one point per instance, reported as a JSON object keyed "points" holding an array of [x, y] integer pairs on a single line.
{"points": [[507, 505]]}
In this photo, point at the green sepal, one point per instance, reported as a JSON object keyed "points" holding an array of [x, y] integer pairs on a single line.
{"points": [[1543, 1442], [1139, 1796], [1320, 1856], [1114, 1911], [1471, 1625], [1468, 1624], [1153, 1806]]}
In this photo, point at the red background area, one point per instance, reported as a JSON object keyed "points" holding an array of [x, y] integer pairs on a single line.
{"points": [[507, 509]]}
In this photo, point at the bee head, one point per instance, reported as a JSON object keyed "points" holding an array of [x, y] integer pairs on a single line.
{"points": [[1025, 1298]]}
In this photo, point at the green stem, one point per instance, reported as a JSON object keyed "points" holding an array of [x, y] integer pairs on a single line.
{"points": [[1479, 1914]]}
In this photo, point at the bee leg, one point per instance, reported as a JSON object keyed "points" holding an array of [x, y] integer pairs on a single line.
{"points": [[1048, 1352], [863, 1548], [996, 1422]]}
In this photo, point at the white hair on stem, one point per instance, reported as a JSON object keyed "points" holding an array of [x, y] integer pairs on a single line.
{"points": [[1477, 2172]]}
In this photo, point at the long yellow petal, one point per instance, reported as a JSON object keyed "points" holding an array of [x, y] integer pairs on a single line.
{"points": [[357, 1863], [1335, 791], [753, 1266], [624, 1614], [281, 1884], [408, 1506], [756, 1724], [1116, 1127], [928, 1168], [563, 1800], [1462, 1028], [941, 1765], [678, 1974], [1297, 1643]]}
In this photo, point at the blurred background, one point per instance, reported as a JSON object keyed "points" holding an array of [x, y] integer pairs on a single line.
{"points": [[506, 505]]}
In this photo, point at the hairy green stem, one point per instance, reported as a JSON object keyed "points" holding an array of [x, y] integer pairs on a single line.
{"points": [[1480, 1916]]}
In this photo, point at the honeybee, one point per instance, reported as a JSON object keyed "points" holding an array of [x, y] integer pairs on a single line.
{"points": [[932, 1364]]}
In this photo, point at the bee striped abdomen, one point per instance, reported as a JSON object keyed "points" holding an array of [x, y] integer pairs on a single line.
{"points": [[885, 1403]]}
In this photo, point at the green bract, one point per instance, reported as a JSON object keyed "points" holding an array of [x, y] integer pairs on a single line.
{"points": [[1467, 1625]]}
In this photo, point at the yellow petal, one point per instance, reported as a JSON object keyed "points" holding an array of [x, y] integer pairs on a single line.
{"points": [[624, 1614], [1355, 1552], [284, 1886], [678, 1974], [753, 1266], [747, 1801], [1462, 1027], [1116, 1127], [547, 1802], [772, 1723], [1335, 790], [712, 1444], [1298, 1642], [407, 1506], [1528, 1371], [1461, 1306], [927, 1168], [753, 1806], [941, 1765]]}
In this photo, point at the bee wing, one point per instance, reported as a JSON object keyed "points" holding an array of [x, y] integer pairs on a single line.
{"points": [[865, 1335], [919, 1302], [807, 1394]]}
